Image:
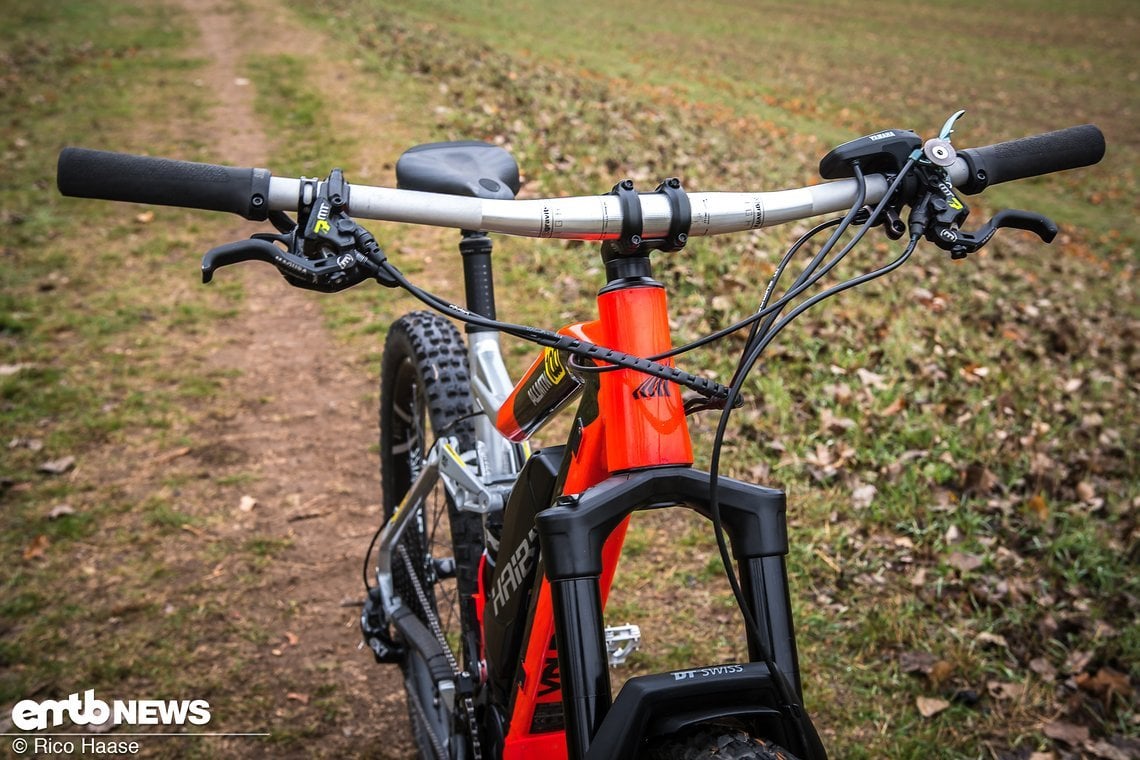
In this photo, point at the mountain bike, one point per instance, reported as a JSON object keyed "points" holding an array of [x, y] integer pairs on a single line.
{"points": [[488, 577]]}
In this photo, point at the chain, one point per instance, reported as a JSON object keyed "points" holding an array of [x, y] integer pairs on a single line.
{"points": [[437, 631]]}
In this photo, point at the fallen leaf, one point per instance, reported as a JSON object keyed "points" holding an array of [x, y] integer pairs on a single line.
{"points": [[918, 580], [291, 638], [977, 478], [829, 423], [862, 495], [940, 672], [1043, 668], [1038, 506], [871, 379], [1103, 749], [37, 548], [1002, 690], [1085, 491], [298, 697], [247, 504], [894, 407], [1077, 661], [11, 369], [1069, 733], [928, 707], [59, 510], [964, 563], [838, 391], [1105, 684], [58, 466], [145, 217], [917, 662], [995, 639]]}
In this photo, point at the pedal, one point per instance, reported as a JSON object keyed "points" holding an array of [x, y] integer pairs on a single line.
{"points": [[621, 642]]}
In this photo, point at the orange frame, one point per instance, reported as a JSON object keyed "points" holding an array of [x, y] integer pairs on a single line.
{"points": [[640, 423]]}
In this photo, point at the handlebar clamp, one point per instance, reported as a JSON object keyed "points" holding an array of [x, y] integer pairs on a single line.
{"points": [[631, 241]]}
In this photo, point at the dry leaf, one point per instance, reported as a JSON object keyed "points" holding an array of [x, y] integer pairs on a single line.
{"points": [[996, 639], [59, 510], [917, 662], [929, 706], [1085, 491], [838, 391], [940, 672], [964, 563], [291, 638], [1069, 733], [1105, 684], [1043, 668], [298, 697], [1106, 751], [1038, 506], [829, 423], [977, 478], [1001, 690], [58, 466], [862, 495], [145, 217], [871, 379], [894, 407], [36, 549], [247, 504]]}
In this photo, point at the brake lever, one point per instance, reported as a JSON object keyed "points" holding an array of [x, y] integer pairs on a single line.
{"points": [[256, 249], [328, 274], [960, 243]]}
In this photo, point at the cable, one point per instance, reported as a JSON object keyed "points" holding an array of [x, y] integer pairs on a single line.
{"points": [[734, 391]]}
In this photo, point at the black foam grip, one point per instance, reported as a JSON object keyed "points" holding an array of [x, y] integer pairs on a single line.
{"points": [[1032, 156], [85, 173]]}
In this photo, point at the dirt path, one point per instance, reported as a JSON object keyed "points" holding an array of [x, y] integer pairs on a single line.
{"points": [[296, 422]]}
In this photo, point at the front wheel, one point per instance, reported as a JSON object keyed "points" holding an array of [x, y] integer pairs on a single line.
{"points": [[714, 742], [425, 393]]}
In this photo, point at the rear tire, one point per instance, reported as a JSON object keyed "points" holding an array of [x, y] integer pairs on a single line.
{"points": [[716, 742], [424, 393]]}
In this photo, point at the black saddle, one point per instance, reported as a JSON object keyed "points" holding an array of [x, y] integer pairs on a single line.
{"points": [[459, 168]]}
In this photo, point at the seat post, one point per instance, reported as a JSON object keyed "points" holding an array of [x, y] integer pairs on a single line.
{"points": [[478, 278]]}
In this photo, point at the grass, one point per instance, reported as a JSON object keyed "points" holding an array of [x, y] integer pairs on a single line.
{"points": [[1015, 446]]}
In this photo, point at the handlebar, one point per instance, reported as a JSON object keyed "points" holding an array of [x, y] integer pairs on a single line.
{"points": [[252, 193]]}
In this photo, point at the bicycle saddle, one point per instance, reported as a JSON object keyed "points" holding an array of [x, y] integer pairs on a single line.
{"points": [[459, 168]]}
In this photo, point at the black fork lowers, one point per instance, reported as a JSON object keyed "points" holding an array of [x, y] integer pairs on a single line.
{"points": [[572, 533]]}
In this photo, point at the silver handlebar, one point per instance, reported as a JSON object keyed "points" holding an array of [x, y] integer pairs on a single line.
{"points": [[597, 217]]}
